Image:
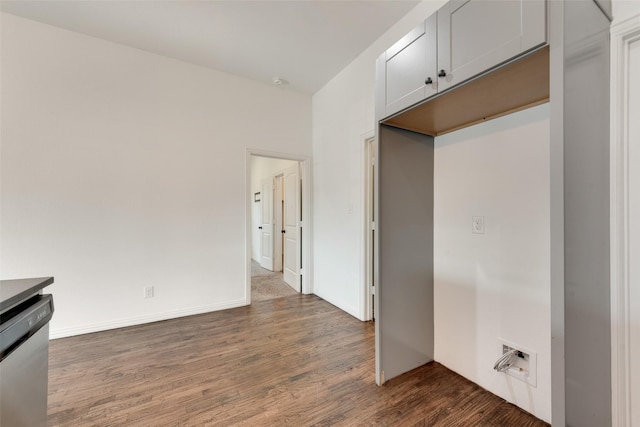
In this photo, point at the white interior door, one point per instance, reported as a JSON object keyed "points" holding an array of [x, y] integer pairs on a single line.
{"points": [[291, 229], [278, 208], [267, 226]]}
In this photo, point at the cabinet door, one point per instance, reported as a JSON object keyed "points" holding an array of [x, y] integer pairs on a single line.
{"points": [[408, 68], [477, 35]]}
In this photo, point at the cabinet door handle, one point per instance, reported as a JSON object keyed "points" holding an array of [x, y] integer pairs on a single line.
{"points": [[260, 228], [428, 81], [442, 73]]}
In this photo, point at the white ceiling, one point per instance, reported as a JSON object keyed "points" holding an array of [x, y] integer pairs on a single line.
{"points": [[305, 42]]}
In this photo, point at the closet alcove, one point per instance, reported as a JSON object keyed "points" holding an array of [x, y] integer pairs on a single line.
{"points": [[424, 90]]}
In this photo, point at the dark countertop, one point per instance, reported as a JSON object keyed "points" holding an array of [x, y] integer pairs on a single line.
{"points": [[13, 292]]}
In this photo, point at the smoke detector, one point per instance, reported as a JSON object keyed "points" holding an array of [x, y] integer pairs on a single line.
{"points": [[279, 82]]}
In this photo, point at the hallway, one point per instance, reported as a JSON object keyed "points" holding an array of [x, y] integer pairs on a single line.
{"points": [[267, 285]]}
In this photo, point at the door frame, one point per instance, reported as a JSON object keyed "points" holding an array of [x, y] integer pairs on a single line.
{"points": [[622, 36], [306, 269], [366, 305]]}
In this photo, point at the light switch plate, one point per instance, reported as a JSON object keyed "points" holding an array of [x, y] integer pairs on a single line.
{"points": [[477, 224]]}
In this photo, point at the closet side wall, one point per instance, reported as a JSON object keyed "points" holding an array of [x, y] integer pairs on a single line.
{"points": [[404, 304], [581, 132]]}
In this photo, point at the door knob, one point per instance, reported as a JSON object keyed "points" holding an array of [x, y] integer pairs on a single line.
{"points": [[428, 81], [284, 231], [442, 73]]}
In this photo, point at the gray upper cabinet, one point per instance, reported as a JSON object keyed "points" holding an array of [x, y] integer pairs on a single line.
{"points": [[408, 70], [463, 39], [477, 35]]}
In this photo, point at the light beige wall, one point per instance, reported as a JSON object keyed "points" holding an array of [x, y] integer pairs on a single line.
{"points": [[494, 285], [123, 169], [343, 116], [624, 9]]}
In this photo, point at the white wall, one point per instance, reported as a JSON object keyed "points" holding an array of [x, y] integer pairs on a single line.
{"points": [[624, 9], [123, 169], [497, 284], [343, 115], [262, 167]]}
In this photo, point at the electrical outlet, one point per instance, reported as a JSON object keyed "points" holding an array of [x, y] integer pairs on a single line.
{"points": [[525, 367], [148, 291], [477, 224]]}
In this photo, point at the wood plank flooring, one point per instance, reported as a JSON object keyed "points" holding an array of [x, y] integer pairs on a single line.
{"points": [[295, 361]]}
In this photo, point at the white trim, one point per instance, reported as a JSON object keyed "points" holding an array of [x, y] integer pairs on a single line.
{"points": [[349, 309], [305, 175], [139, 320], [366, 306], [622, 35]]}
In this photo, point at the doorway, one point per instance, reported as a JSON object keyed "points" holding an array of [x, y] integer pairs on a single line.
{"points": [[277, 186]]}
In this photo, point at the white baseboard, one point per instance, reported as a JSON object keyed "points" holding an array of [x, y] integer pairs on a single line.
{"points": [[139, 320], [344, 307]]}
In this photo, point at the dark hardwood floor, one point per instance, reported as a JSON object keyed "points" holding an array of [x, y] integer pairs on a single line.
{"points": [[295, 361]]}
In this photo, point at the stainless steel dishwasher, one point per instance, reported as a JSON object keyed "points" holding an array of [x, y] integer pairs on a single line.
{"points": [[24, 352]]}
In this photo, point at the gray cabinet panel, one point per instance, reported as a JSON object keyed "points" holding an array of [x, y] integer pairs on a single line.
{"points": [[476, 35], [408, 65], [404, 295], [585, 141], [406, 72]]}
